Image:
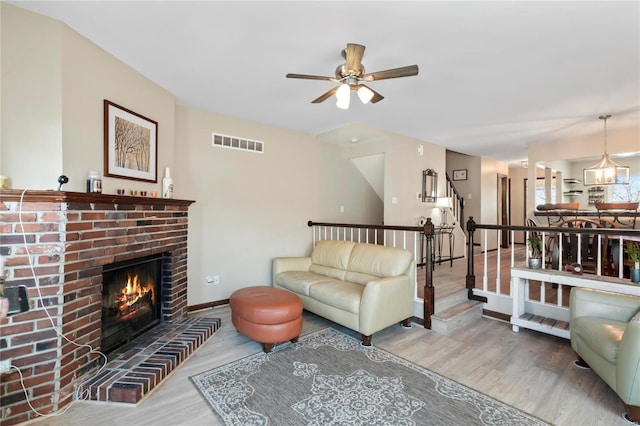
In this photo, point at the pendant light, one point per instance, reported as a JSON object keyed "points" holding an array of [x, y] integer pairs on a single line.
{"points": [[606, 171]]}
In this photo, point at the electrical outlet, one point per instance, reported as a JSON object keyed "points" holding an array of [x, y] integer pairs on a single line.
{"points": [[5, 365], [216, 279]]}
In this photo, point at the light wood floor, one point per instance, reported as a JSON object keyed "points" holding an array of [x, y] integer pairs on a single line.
{"points": [[529, 370], [450, 278]]}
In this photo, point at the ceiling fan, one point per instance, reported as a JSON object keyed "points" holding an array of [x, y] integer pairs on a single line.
{"points": [[351, 74]]}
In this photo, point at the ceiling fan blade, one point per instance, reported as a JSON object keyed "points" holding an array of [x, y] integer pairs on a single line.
{"points": [[310, 77], [354, 57], [377, 97], [393, 73], [325, 96]]}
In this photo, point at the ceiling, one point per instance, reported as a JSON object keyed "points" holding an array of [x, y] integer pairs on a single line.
{"points": [[495, 77]]}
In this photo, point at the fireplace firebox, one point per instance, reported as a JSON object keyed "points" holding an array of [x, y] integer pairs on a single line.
{"points": [[130, 300]]}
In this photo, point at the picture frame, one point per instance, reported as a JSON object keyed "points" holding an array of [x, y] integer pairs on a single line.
{"points": [[130, 144], [460, 174]]}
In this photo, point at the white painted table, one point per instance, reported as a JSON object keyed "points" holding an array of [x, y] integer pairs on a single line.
{"points": [[519, 283]]}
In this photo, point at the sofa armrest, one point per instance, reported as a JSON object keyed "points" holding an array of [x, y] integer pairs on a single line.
{"points": [[385, 301], [282, 264], [628, 363], [602, 304]]}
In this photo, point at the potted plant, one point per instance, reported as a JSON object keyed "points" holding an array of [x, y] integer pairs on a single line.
{"points": [[633, 250], [535, 251]]}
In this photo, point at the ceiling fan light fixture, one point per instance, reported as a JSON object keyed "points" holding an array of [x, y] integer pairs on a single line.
{"points": [[365, 94], [606, 171], [343, 96]]}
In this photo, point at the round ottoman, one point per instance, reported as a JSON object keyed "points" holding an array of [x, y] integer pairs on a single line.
{"points": [[267, 315]]}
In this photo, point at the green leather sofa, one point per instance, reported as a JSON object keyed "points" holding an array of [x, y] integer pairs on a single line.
{"points": [[605, 333]]}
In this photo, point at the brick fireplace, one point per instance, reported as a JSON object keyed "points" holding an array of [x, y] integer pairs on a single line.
{"points": [[70, 237]]}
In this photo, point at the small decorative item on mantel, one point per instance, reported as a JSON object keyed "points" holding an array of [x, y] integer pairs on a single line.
{"points": [[633, 250], [535, 252]]}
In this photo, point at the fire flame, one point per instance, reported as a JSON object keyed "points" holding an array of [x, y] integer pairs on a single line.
{"points": [[134, 291]]}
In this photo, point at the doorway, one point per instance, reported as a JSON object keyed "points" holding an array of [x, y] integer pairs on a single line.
{"points": [[504, 207]]}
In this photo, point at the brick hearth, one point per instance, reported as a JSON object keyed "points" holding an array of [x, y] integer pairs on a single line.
{"points": [[70, 236], [149, 359]]}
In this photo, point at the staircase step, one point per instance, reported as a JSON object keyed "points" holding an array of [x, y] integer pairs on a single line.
{"points": [[459, 315], [451, 300]]}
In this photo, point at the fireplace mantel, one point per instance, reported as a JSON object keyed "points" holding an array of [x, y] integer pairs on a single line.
{"points": [[32, 195]]}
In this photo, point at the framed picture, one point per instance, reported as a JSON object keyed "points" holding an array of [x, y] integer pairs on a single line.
{"points": [[460, 174], [130, 144]]}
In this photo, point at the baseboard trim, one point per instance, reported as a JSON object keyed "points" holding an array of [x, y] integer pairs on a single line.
{"points": [[208, 305]]}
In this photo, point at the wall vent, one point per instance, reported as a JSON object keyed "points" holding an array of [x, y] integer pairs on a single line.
{"points": [[235, 142]]}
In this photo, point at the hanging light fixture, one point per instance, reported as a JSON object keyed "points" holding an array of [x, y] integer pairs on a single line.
{"points": [[606, 171], [343, 93]]}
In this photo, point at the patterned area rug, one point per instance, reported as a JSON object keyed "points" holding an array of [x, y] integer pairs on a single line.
{"points": [[328, 378]]}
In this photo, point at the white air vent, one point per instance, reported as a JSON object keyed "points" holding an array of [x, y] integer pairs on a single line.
{"points": [[235, 142]]}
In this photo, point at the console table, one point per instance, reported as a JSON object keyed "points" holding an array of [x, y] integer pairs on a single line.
{"points": [[442, 233], [553, 319]]}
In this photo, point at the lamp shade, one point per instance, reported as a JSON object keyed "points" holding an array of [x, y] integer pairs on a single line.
{"points": [[444, 202], [365, 94], [342, 95]]}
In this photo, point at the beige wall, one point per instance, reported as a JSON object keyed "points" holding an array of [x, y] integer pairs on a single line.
{"points": [[517, 176], [471, 188], [54, 82], [253, 207], [489, 204], [249, 207], [31, 133], [89, 76]]}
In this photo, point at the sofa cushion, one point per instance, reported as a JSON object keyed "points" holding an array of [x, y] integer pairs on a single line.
{"points": [[379, 261], [300, 281], [601, 335], [359, 277], [328, 271], [334, 254], [339, 294]]}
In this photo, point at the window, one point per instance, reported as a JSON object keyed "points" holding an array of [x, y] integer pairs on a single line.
{"points": [[540, 192], [626, 193]]}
